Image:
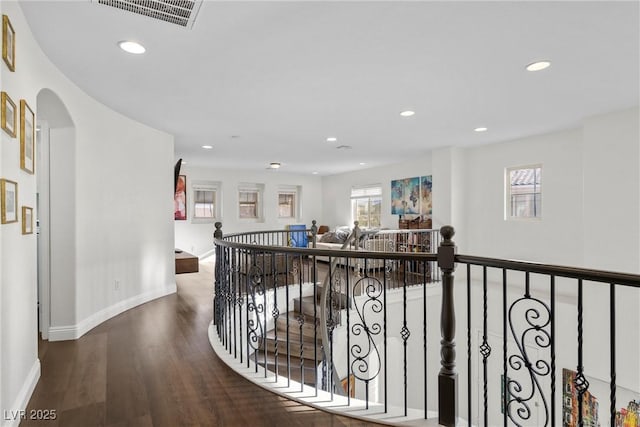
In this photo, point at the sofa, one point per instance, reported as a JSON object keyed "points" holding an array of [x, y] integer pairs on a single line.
{"points": [[334, 240]]}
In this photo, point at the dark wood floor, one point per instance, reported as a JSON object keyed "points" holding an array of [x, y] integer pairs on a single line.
{"points": [[153, 366]]}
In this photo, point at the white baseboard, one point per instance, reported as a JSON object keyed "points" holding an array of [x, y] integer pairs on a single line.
{"points": [[11, 417], [207, 254], [73, 332]]}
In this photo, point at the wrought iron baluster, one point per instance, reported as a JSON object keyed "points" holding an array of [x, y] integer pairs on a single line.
{"points": [[366, 325], [301, 321], [275, 313], [255, 288], [469, 408], [505, 374], [405, 334], [234, 298], [424, 334], [348, 379], [536, 328], [485, 348], [315, 328], [552, 286], [612, 352], [580, 381], [264, 302], [387, 274], [286, 290]]}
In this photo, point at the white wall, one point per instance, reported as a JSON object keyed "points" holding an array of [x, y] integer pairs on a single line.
{"points": [[557, 237], [336, 190], [120, 198], [62, 227], [198, 238]]}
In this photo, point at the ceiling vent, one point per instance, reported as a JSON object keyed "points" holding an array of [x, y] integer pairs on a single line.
{"points": [[179, 12]]}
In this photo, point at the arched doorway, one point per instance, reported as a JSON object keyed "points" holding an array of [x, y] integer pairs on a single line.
{"points": [[55, 200]]}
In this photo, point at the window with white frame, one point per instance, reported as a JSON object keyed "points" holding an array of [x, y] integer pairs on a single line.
{"points": [[206, 201], [250, 201], [524, 192], [289, 202], [366, 205]]}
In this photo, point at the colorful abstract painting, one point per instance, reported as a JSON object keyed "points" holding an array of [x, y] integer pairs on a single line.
{"points": [[426, 206], [405, 196]]}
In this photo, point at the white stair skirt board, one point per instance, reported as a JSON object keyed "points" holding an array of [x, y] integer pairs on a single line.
{"points": [[394, 416], [73, 332], [12, 416]]}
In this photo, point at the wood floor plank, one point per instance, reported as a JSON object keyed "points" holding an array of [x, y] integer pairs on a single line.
{"points": [[153, 366]]}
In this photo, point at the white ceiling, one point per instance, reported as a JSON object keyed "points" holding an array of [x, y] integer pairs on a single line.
{"points": [[270, 81]]}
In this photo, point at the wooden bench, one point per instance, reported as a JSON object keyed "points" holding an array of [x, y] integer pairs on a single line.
{"points": [[186, 263]]}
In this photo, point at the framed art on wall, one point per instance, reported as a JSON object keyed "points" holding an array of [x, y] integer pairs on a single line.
{"points": [[8, 201], [27, 137], [180, 199], [8, 43], [27, 220], [8, 114], [405, 196]]}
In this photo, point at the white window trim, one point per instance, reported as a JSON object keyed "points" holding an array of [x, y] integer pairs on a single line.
{"points": [[507, 194], [207, 186]]}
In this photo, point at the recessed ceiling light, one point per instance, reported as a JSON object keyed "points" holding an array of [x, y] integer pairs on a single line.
{"points": [[274, 165], [480, 129], [132, 47], [314, 173], [407, 113], [332, 139], [539, 65], [362, 163], [207, 147]]}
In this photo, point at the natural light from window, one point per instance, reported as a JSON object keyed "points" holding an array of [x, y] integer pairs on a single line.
{"points": [[524, 192], [366, 205]]}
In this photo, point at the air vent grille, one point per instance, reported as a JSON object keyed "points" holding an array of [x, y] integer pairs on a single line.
{"points": [[179, 12]]}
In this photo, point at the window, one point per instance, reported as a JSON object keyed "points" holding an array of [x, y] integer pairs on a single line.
{"points": [[524, 192], [250, 201], [205, 204], [248, 204], [289, 202], [206, 201], [286, 205], [366, 205]]}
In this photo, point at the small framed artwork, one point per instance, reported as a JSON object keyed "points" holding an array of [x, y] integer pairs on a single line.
{"points": [[27, 220], [27, 137], [8, 115], [8, 43], [8, 201], [180, 199]]}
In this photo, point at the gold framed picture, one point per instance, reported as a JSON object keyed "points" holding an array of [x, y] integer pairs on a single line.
{"points": [[8, 43], [8, 201], [27, 220], [27, 138], [8, 116]]}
